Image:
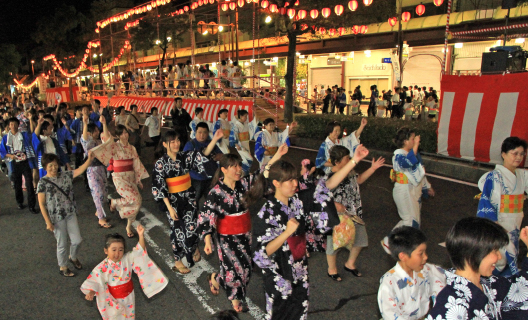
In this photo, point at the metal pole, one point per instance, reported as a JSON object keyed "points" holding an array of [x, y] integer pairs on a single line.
{"points": [[219, 47], [191, 15], [400, 42], [506, 30], [445, 38], [236, 32], [159, 61], [101, 78], [253, 62]]}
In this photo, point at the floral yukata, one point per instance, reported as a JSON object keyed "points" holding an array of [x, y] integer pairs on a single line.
{"points": [[502, 201], [240, 135], [350, 142], [285, 272], [269, 141], [182, 197], [403, 297], [96, 174], [112, 283], [227, 220], [128, 173], [501, 298]]}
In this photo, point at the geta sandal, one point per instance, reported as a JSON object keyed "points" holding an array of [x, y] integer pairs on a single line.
{"points": [[66, 273], [335, 277], [105, 225], [355, 272], [195, 255], [214, 290], [77, 264], [181, 270]]}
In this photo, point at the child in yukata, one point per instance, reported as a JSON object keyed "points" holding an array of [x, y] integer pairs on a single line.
{"points": [[241, 132], [406, 290], [268, 140], [198, 117], [223, 124], [111, 281], [472, 291]]}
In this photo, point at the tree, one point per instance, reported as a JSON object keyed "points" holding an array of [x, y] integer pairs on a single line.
{"points": [[290, 29], [9, 64]]}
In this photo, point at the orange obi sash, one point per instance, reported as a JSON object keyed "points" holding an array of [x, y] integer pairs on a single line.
{"points": [[121, 165], [512, 203], [399, 177], [179, 184], [238, 223], [243, 136], [121, 291], [227, 132], [272, 150]]}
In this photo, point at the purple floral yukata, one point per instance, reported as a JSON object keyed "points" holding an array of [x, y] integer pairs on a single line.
{"points": [[285, 279], [96, 174]]}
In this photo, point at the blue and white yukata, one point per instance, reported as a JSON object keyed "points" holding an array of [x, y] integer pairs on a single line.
{"points": [[269, 141], [225, 126], [350, 142], [502, 201], [403, 297], [500, 298], [240, 135], [41, 145]]}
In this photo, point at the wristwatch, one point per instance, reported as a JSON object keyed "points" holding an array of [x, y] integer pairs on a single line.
{"points": [[354, 161]]}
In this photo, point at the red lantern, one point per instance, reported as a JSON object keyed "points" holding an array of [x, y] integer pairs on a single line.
{"points": [[264, 4], [200, 2], [301, 14], [392, 21], [304, 26], [363, 29], [322, 30], [406, 16], [438, 2], [291, 13], [339, 9], [282, 11], [331, 32], [273, 8], [211, 1], [240, 3], [181, 11], [341, 30], [296, 3], [353, 5], [314, 14], [355, 29], [326, 12], [224, 6], [186, 8], [286, 4], [194, 5], [420, 9], [232, 5], [367, 2]]}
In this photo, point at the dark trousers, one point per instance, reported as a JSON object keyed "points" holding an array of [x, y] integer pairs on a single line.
{"points": [[202, 188], [22, 169], [135, 140], [154, 143]]}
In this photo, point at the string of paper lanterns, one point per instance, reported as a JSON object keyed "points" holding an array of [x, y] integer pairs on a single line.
{"points": [[19, 84]]}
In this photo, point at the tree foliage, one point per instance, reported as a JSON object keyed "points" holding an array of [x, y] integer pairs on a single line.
{"points": [[9, 64]]}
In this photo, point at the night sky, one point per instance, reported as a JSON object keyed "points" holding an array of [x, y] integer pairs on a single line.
{"points": [[18, 18]]}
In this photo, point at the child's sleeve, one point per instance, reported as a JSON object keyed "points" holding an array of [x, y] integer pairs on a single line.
{"points": [[150, 275], [437, 280], [387, 300]]}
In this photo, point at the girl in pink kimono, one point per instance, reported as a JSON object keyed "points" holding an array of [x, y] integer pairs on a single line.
{"points": [[111, 281], [128, 171]]}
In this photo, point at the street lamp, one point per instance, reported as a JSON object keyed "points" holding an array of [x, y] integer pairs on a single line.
{"points": [[33, 68], [268, 19], [95, 55], [158, 41], [220, 28], [169, 39]]}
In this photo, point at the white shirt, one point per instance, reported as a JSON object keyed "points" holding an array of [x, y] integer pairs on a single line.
{"points": [[154, 126], [49, 147], [15, 141]]}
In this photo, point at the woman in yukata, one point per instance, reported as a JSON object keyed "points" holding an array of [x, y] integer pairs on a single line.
{"points": [[128, 171], [283, 226], [225, 219], [472, 291], [172, 189], [502, 199]]}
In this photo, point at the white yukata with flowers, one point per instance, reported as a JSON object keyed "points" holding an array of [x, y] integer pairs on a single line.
{"points": [[109, 273], [402, 297]]}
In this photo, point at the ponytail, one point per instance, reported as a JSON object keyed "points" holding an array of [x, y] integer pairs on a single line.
{"points": [[281, 171], [257, 191]]}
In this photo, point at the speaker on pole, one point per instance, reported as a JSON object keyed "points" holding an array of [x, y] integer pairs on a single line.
{"points": [[509, 4]]}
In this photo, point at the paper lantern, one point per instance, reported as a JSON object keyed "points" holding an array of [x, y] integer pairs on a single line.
{"points": [[406, 16], [322, 30], [420, 9], [304, 26], [363, 29], [200, 2], [224, 6], [181, 11], [314, 14], [392, 21], [232, 5], [211, 1], [264, 4], [438, 2], [355, 29], [367, 2], [332, 32], [341, 30], [273, 8], [353, 5], [325, 12], [301, 14], [291, 13], [249, 1], [296, 3], [282, 11], [241, 3], [339, 9], [186, 8], [194, 5]]}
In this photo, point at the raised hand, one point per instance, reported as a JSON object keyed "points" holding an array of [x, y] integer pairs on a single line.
{"points": [[283, 149], [41, 121], [361, 152], [64, 122], [364, 122], [140, 230], [219, 134], [102, 120], [417, 140], [376, 164]]}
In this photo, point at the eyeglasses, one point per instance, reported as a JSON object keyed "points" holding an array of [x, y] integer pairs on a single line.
{"points": [[518, 154]]}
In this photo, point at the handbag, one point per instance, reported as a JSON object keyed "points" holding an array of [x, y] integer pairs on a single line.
{"points": [[344, 233], [58, 188]]}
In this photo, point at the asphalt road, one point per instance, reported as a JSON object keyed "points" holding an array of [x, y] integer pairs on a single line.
{"points": [[31, 287]]}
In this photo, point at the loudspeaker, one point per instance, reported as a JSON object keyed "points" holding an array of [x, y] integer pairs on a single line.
{"points": [[494, 62], [509, 4]]}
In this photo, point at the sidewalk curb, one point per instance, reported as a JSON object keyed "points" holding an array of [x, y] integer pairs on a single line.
{"points": [[452, 168]]}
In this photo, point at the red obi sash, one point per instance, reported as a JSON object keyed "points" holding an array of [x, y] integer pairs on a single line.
{"points": [[121, 291], [234, 224], [297, 246], [121, 165]]}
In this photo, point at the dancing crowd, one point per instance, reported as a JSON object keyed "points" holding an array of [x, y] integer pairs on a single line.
{"points": [[272, 218]]}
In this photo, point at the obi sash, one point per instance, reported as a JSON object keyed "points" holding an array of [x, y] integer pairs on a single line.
{"points": [[121, 291], [399, 177], [121, 165], [408, 112], [227, 132], [243, 136], [178, 184], [272, 150], [297, 246], [238, 223], [512, 203]]}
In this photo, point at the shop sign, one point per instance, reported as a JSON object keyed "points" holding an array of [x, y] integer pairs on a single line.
{"points": [[333, 62], [386, 60], [395, 65], [374, 67]]}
